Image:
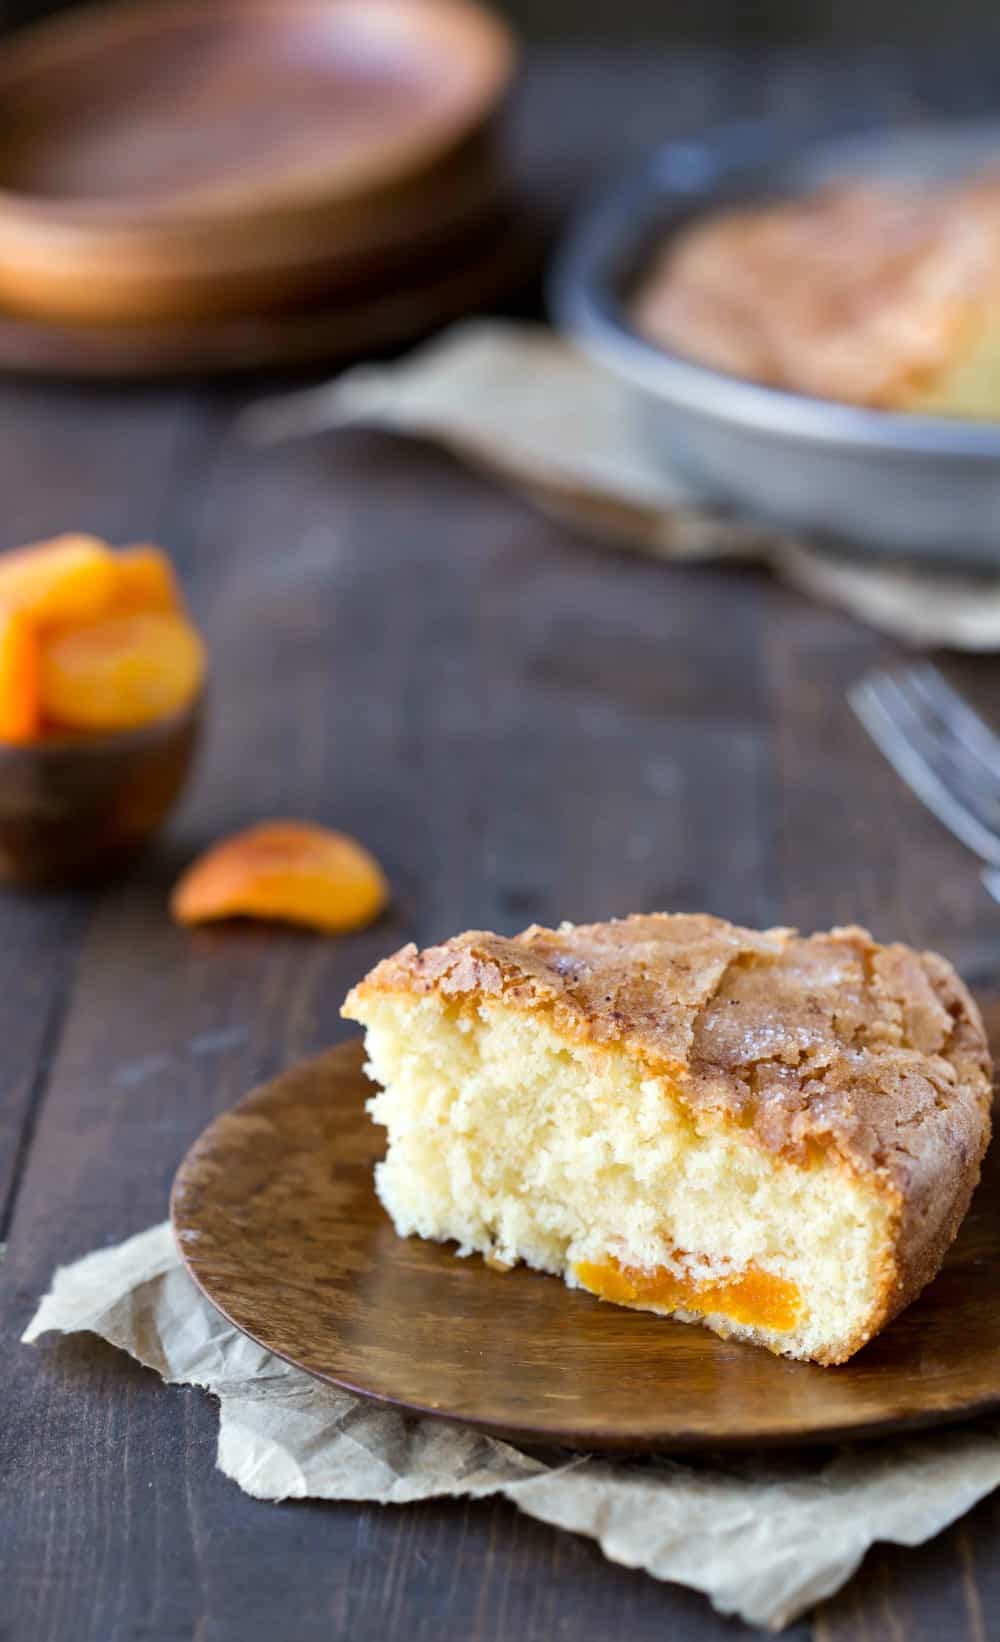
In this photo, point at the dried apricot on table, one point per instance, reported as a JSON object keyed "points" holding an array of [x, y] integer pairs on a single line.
{"points": [[66, 580], [291, 871], [145, 580], [20, 715], [121, 672]]}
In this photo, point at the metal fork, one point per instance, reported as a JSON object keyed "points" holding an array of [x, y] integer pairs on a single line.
{"points": [[942, 749]]}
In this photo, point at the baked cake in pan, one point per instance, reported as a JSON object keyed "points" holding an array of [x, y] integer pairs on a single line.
{"points": [[879, 294], [772, 1134]]}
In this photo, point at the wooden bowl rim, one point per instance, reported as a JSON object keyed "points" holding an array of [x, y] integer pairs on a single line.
{"points": [[482, 52], [136, 740]]}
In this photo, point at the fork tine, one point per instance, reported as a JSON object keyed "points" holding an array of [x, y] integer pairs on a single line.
{"points": [[896, 729], [955, 712], [972, 778]]}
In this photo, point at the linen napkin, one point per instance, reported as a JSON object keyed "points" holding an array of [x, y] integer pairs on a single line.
{"points": [[764, 1538], [521, 402]]}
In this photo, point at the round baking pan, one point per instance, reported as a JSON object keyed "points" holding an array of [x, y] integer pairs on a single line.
{"points": [[874, 481]]}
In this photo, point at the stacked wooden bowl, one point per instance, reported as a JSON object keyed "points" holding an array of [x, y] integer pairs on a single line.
{"points": [[188, 185]]}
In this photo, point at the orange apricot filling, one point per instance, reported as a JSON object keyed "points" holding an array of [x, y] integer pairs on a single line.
{"points": [[292, 871], [121, 672], [755, 1298]]}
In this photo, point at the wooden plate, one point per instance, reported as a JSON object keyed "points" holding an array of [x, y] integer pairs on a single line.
{"points": [[343, 329], [143, 145], [275, 1215], [173, 108], [133, 277]]}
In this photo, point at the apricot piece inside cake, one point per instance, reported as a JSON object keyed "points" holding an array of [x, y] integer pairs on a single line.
{"points": [[772, 1134]]}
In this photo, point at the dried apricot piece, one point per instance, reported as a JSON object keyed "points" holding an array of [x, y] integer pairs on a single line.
{"points": [[121, 672], [145, 580], [292, 871], [66, 580], [20, 712]]}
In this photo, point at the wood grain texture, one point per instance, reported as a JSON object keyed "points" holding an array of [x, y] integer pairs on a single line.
{"points": [[275, 1213], [520, 724]]}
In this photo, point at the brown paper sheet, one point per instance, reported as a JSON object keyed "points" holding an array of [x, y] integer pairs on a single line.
{"points": [[764, 1539], [521, 402]]}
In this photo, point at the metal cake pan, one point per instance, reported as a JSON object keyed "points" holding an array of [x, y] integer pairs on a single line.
{"points": [[874, 482]]}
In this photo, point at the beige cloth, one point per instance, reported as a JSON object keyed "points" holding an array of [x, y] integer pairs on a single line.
{"points": [[763, 1538], [520, 401]]}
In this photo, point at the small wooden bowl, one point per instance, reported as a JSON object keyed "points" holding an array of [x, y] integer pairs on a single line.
{"points": [[73, 809], [149, 149]]}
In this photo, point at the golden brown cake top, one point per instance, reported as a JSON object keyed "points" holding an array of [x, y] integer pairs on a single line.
{"points": [[830, 1040], [860, 292]]}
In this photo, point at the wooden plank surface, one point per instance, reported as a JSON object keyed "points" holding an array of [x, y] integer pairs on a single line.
{"points": [[522, 725]]}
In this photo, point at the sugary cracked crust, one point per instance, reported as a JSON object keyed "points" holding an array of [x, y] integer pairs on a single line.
{"points": [[860, 292], [829, 1042]]}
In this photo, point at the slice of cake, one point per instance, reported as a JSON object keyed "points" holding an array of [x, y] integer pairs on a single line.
{"points": [[777, 1136]]}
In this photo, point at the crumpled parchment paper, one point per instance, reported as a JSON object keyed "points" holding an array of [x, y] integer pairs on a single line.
{"points": [[520, 401], [762, 1538]]}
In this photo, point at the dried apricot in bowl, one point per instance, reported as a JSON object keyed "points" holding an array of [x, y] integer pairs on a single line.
{"points": [[291, 871], [20, 709], [144, 580], [66, 580], [121, 672]]}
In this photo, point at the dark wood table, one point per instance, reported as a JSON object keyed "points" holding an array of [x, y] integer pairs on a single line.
{"points": [[524, 725]]}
